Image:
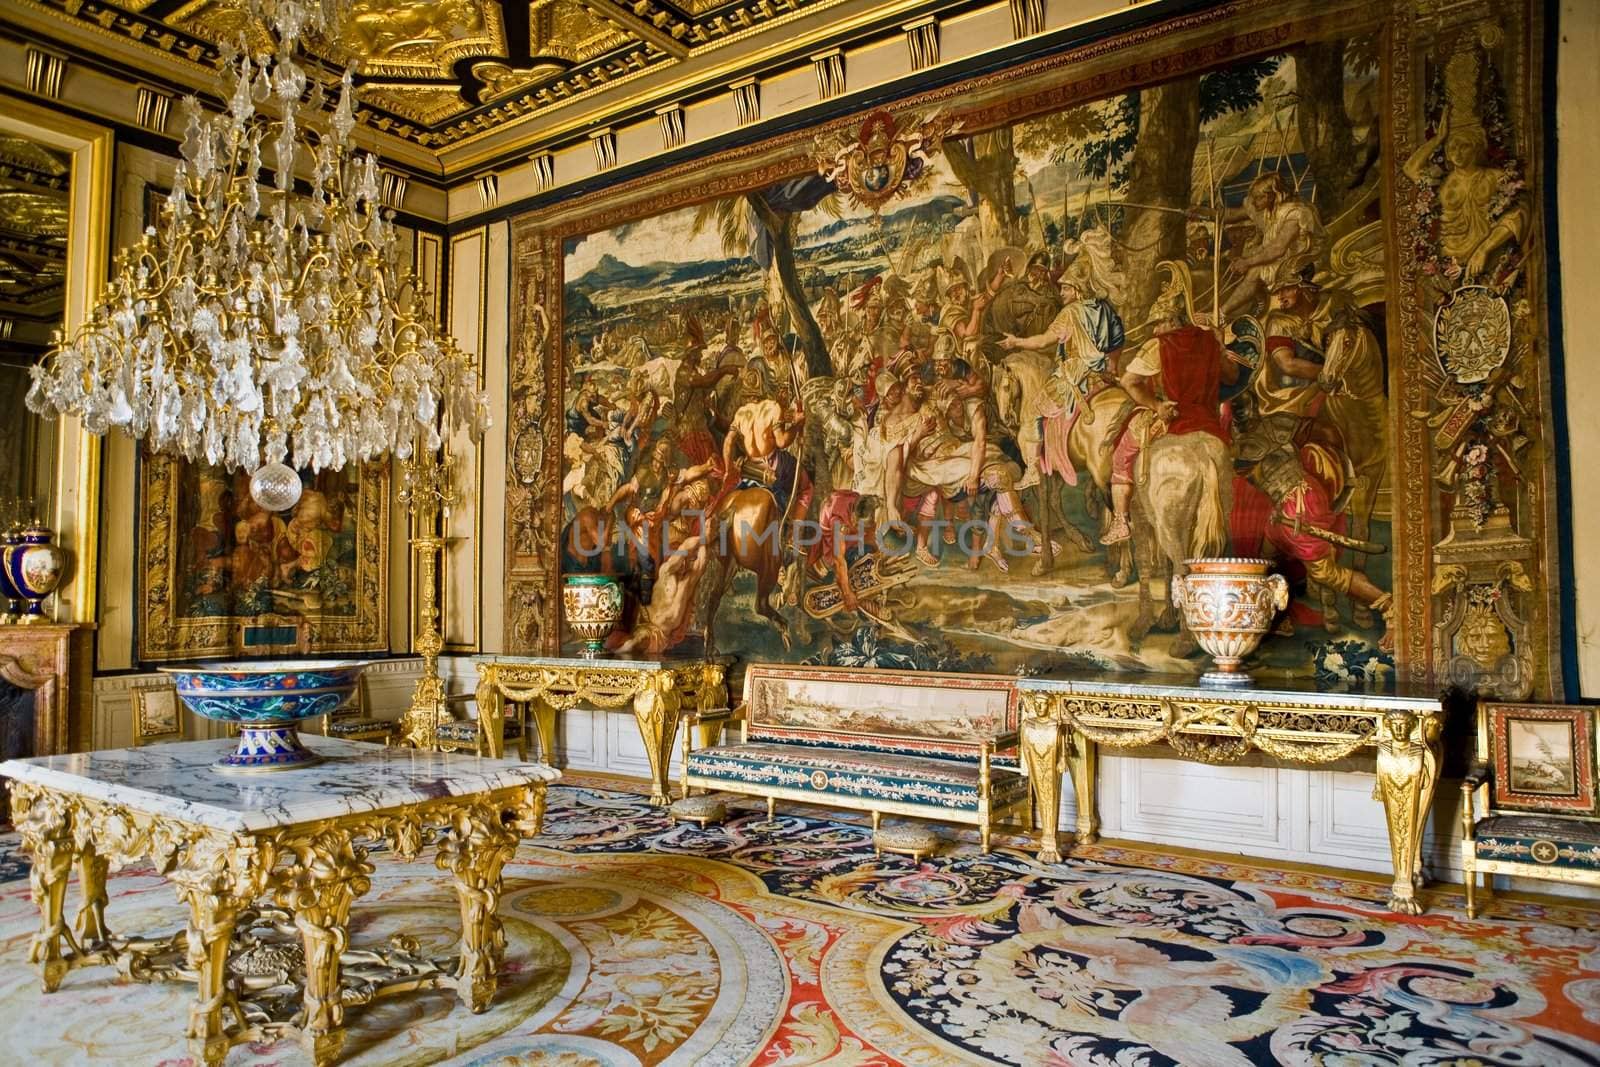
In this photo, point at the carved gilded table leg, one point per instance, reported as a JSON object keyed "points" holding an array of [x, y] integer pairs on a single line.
{"points": [[216, 876], [1408, 772], [710, 694], [491, 711], [543, 714], [475, 849], [533, 825], [44, 822], [1084, 761], [655, 709], [327, 874], [92, 871], [1041, 754]]}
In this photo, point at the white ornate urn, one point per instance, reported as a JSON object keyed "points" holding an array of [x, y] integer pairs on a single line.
{"points": [[1229, 604]]}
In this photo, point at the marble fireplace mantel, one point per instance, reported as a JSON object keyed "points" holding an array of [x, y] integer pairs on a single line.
{"points": [[55, 663]]}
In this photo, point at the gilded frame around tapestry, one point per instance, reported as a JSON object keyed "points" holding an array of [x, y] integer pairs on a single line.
{"points": [[311, 580], [1451, 576]]}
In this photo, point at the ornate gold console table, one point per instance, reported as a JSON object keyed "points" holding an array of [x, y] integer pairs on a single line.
{"points": [[656, 689], [1065, 719], [296, 839]]}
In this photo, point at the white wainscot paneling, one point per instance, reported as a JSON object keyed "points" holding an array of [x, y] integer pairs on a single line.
{"points": [[1303, 815], [595, 739], [580, 738], [625, 748], [1231, 809], [389, 686]]}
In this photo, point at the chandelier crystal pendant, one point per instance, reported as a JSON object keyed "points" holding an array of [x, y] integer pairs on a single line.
{"points": [[268, 329]]}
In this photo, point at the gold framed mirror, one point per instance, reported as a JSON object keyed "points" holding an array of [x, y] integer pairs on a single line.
{"points": [[63, 472]]}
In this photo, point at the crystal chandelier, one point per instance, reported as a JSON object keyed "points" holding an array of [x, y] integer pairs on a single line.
{"points": [[258, 329]]}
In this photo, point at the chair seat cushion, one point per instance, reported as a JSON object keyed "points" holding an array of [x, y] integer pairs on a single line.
{"points": [[940, 783], [467, 730], [361, 727], [1545, 840]]}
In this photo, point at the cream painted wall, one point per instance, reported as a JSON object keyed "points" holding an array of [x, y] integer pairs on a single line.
{"points": [[1577, 161]]}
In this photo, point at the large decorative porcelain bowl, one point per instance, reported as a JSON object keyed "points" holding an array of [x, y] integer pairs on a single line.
{"points": [[265, 699], [1229, 604]]}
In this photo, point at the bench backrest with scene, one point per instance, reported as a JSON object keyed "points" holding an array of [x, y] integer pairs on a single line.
{"points": [[914, 713]]}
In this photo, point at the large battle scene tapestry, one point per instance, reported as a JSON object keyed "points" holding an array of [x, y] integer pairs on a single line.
{"points": [[962, 383], [221, 576]]}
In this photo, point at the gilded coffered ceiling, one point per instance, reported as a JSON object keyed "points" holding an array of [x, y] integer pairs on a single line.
{"points": [[440, 75], [33, 229]]}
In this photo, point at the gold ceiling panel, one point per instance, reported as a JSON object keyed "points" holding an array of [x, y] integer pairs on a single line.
{"points": [[428, 105], [440, 74], [33, 228], [567, 30], [500, 80], [32, 214], [220, 22], [33, 157], [413, 38]]}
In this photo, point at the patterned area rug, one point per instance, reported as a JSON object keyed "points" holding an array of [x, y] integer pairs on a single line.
{"points": [[632, 941]]}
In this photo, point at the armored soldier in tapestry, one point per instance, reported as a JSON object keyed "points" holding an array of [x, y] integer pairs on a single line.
{"points": [[967, 389]]}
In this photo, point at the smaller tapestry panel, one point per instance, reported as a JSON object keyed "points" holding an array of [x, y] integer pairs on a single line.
{"points": [[220, 576], [954, 708]]}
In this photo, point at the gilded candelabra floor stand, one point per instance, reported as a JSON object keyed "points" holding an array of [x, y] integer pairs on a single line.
{"points": [[427, 484]]}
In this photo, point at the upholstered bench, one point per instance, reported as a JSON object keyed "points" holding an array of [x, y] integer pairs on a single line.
{"points": [[931, 745]]}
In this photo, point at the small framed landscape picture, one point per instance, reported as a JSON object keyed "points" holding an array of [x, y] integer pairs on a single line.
{"points": [[156, 716], [1544, 758]]}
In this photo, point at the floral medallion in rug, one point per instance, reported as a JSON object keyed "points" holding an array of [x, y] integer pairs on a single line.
{"points": [[632, 941]]}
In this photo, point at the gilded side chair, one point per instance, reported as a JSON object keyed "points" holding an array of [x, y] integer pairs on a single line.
{"points": [[354, 720], [1530, 807], [461, 733]]}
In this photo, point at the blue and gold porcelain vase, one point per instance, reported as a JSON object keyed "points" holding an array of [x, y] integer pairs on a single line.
{"points": [[33, 568], [265, 700], [593, 606], [11, 608]]}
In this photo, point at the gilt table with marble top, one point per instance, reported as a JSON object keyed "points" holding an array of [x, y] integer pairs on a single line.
{"points": [[253, 855], [657, 689], [1067, 715]]}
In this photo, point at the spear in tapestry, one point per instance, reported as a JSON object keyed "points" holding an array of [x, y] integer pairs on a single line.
{"points": [[1216, 235]]}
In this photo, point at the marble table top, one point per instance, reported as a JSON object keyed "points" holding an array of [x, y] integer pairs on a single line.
{"points": [[1277, 691], [626, 663], [178, 781]]}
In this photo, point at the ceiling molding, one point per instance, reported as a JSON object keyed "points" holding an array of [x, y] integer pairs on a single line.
{"points": [[802, 121], [443, 87]]}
